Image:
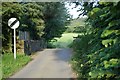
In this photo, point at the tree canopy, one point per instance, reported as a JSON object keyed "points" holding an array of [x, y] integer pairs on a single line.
{"points": [[55, 16], [41, 20]]}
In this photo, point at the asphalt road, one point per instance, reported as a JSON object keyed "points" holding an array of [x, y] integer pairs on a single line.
{"points": [[50, 63]]}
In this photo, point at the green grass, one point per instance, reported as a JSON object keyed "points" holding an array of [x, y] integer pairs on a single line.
{"points": [[10, 66], [0, 67], [65, 40]]}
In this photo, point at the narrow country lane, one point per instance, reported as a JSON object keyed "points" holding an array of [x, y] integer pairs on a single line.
{"points": [[50, 63]]}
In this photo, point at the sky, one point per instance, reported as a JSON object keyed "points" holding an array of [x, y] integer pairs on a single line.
{"points": [[73, 11]]}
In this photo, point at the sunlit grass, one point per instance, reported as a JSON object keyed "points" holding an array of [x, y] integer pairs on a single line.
{"points": [[65, 40], [10, 66]]}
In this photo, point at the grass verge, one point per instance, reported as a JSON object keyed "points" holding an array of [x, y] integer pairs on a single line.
{"points": [[10, 66]]}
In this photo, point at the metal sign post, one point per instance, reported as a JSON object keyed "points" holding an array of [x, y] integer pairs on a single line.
{"points": [[13, 23]]}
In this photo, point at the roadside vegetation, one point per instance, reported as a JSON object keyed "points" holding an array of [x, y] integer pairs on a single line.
{"points": [[41, 20], [96, 52], [95, 39], [10, 66]]}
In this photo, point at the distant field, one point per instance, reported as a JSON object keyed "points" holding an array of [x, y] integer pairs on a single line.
{"points": [[65, 40]]}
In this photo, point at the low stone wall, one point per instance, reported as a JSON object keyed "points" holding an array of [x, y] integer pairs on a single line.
{"points": [[31, 46]]}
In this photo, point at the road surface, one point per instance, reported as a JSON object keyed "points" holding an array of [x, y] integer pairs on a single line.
{"points": [[50, 63]]}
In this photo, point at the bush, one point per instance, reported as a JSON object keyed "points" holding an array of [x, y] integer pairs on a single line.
{"points": [[50, 45], [93, 59]]}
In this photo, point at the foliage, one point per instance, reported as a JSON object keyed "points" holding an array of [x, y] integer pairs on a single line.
{"points": [[41, 20], [97, 53], [55, 16], [63, 42], [32, 20], [75, 25], [10, 66], [9, 10]]}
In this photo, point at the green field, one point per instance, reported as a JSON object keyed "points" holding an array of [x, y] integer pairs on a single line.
{"points": [[65, 40], [10, 66]]}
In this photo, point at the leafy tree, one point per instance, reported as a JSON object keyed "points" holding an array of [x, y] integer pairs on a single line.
{"points": [[41, 20], [76, 25], [32, 19], [55, 17], [9, 10], [99, 57]]}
